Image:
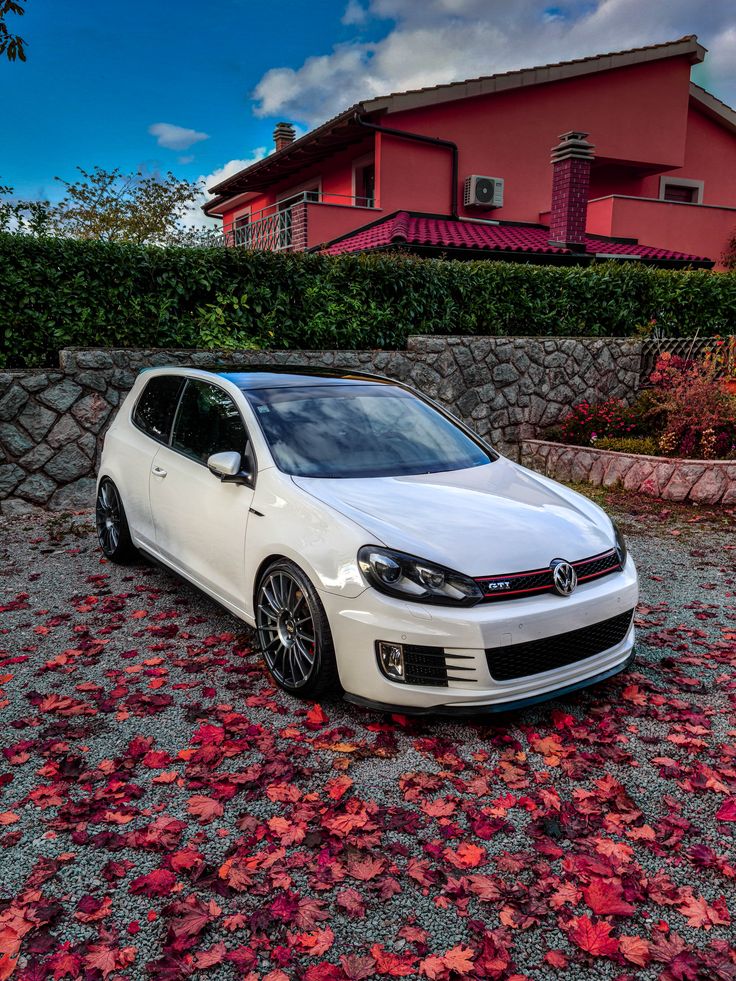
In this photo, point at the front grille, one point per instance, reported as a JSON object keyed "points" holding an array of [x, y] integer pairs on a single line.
{"points": [[535, 656], [429, 666], [517, 585]]}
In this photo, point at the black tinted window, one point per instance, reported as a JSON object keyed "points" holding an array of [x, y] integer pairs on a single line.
{"points": [[156, 406], [207, 422], [359, 431]]}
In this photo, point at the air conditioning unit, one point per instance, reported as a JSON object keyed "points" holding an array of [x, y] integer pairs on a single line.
{"points": [[483, 192]]}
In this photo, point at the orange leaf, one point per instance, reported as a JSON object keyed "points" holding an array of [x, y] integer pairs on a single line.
{"points": [[635, 950], [594, 938], [465, 856], [459, 959]]}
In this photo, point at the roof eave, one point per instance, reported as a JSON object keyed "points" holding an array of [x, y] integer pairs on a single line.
{"points": [[713, 107], [688, 46]]}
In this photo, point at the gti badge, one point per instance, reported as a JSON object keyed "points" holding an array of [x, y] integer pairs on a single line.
{"points": [[564, 577], [499, 584]]}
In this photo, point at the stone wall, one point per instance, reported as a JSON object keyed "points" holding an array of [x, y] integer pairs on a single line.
{"points": [[699, 481], [52, 421]]}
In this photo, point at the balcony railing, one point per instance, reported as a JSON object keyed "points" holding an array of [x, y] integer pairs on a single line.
{"points": [[282, 227]]}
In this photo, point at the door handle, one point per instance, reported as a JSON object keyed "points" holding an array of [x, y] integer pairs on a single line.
{"points": [[158, 471]]}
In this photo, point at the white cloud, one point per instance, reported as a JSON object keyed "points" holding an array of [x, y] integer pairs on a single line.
{"points": [[176, 137], [195, 217], [446, 40], [355, 13]]}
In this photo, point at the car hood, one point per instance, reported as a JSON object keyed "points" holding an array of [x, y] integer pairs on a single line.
{"points": [[494, 519]]}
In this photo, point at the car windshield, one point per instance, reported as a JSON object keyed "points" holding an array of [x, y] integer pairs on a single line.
{"points": [[359, 430]]}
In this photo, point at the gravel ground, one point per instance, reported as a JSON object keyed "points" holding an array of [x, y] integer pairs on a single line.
{"points": [[165, 812]]}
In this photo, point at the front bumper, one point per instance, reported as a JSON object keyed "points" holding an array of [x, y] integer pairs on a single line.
{"points": [[357, 624]]}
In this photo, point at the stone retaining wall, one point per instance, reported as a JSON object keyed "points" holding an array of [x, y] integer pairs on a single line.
{"points": [[52, 421], [699, 481]]}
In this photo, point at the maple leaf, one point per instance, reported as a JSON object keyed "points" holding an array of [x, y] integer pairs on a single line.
{"points": [[160, 882], [727, 810], [205, 809], [594, 938], [700, 915], [466, 855], [189, 917], [459, 959], [605, 896], [556, 958], [90, 909], [65, 962], [357, 967], [101, 958], [318, 942], [396, 965], [316, 717], [635, 950], [352, 902], [433, 967], [439, 807], [309, 912], [366, 868], [338, 787]]}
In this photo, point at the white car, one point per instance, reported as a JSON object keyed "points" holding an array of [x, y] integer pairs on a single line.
{"points": [[378, 546]]}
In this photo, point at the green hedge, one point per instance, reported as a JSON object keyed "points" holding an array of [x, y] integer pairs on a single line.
{"points": [[58, 293]]}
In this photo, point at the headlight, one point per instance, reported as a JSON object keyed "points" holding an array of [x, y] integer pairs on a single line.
{"points": [[410, 578], [621, 549]]}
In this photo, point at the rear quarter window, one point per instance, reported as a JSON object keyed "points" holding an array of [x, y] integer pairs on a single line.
{"points": [[155, 409]]}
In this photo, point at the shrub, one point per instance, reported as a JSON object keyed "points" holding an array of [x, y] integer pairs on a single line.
{"points": [[69, 293], [586, 423], [629, 444]]}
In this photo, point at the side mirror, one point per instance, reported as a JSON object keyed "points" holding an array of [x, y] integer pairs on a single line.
{"points": [[224, 464]]}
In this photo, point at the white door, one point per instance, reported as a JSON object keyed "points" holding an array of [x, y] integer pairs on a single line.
{"points": [[199, 520]]}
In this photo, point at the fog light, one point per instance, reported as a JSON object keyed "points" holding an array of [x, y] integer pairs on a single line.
{"points": [[391, 658]]}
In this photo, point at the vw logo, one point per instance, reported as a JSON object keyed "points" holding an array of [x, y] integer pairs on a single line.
{"points": [[564, 577]]}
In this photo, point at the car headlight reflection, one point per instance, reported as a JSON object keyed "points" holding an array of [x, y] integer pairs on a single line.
{"points": [[411, 578]]}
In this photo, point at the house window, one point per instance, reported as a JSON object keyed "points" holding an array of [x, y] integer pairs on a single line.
{"points": [[680, 190], [364, 182]]}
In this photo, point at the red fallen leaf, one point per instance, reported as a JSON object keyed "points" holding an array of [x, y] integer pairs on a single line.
{"points": [[459, 959], [556, 958], [235, 922], [357, 967], [635, 949], [7, 964], [338, 787], [65, 962], [160, 882], [209, 958], [727, 810], [366, 868], [316, 943], [316, 717], [205, 809], [396, 965], [189, 917], [438, 808], [605, 896], [594, 938], [433, 967], [309, 912], [8, 817], [352, 902], [90, 909], [466, 855], [700, 915], [102, 958]]}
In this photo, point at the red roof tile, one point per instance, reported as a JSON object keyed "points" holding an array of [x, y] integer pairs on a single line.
{"points": [[404, 228]]}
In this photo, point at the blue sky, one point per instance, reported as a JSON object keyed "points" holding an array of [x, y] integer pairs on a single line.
{"points": [[120, 84]]}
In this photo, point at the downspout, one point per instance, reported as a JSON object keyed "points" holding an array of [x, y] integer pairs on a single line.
{"points": [[420, 138]]}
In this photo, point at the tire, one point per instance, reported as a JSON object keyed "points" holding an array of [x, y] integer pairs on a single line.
{"points": [[294, 634], [113, 533]]}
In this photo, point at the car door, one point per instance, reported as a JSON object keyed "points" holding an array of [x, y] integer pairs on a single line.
{"points": [[199, 520], [137, 445]]}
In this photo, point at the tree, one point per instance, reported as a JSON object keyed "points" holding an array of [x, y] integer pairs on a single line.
{"points": [[11, 45], [113, 207]]}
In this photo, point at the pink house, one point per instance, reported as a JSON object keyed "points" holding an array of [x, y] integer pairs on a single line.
{"points": [[614, 156]]}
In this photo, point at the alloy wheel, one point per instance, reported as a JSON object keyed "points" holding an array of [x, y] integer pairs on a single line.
{"points": [[286, 629], [108, 517]]}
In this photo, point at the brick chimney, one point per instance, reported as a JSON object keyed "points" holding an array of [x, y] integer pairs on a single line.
{"points": [[283, 135], [571, 161]]}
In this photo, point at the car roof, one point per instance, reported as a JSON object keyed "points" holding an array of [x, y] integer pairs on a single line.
{"points": [[287, 376]]}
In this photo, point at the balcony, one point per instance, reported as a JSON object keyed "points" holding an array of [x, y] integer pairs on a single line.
{"points": [[700, 229], [298, 223]]}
